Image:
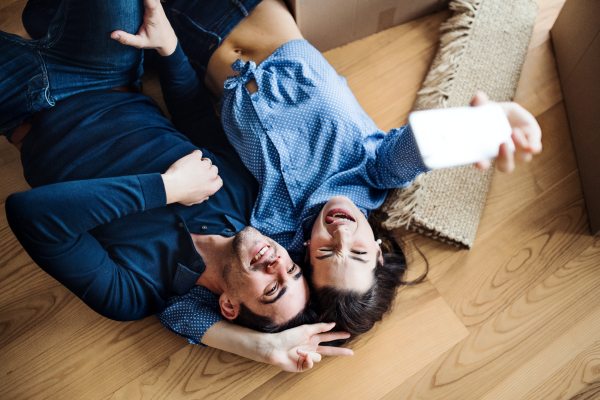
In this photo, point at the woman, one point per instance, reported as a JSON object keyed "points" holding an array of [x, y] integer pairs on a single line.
{"points": [[321, 163]]}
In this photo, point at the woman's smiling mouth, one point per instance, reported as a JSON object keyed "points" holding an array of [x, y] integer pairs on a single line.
{"points": [[339, 216]]}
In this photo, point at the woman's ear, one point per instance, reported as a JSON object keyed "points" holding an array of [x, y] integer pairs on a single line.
{"points": [[380, 257], [307, 251], [228, 309]]}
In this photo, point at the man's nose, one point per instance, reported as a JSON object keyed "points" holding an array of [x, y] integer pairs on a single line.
{"points": [[275, 267]]}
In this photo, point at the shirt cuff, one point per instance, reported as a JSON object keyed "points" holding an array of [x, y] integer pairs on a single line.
{"points": [[171, 63], [412, 148], [153, 190]]}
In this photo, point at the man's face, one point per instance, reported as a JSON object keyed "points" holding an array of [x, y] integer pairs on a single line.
{"points": [[261, 274]]}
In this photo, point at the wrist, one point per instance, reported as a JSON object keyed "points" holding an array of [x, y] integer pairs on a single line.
{"points": [[266, 347], [169, 46], [170, 188]]}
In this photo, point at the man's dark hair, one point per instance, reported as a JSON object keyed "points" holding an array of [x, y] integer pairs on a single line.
{"points": [[354, 312], [250, 319]]}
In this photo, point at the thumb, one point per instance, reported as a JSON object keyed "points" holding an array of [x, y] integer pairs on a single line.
{"points": [[480, 99], [128, 39]]}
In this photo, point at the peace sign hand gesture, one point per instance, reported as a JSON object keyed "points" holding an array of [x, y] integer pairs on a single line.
{"points": [[297, 349]]}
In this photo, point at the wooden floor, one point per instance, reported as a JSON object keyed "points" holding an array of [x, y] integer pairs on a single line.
{"points": [[517, 317]]}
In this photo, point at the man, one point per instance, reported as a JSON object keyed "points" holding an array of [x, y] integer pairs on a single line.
{"points": [[107, 223]]}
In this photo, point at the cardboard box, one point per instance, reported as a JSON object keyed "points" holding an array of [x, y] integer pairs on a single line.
{"points": [[576, 41], [331, 23]]}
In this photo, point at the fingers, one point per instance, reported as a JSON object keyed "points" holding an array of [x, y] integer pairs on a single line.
{"points": [[129, 40], [480, 99], [505, 161], [328, 337], [305, 361], [523, 151], [482, 165], [334, 351], [314, 356], [318, 328]]}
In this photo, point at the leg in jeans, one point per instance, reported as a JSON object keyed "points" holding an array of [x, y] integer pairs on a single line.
{"points": [[37, 16], [76, 55]]}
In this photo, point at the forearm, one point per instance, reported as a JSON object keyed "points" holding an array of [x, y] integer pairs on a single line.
{"points": [[61, 212], [235, 339], [186, 98]]}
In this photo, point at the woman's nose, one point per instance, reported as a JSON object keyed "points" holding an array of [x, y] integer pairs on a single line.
{"points": [[341, 236]]}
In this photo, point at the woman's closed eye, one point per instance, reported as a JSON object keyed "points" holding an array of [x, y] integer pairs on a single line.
{"points": [[353, 251]]}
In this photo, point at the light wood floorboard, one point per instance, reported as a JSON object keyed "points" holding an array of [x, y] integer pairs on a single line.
{"points": [[517, 317]]}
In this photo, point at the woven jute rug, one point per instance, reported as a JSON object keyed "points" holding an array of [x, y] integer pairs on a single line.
{"points": [[482, 47]]}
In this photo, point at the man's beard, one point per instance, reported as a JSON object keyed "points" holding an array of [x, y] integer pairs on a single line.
{"points": [[235, 257]]}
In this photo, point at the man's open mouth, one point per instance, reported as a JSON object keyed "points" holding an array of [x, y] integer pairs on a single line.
{"points": [[339, 216], [264, 249]]}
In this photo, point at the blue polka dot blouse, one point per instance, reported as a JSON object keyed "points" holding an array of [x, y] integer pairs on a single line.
{"points": [[305, 138]]}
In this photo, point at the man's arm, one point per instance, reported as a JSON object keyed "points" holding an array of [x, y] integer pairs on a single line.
{"points": [[192, 316], [186, 98], [52, 224]]}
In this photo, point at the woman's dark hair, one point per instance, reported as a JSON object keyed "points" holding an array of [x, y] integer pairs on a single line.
{"points": [[250, 319], [355, 312]]}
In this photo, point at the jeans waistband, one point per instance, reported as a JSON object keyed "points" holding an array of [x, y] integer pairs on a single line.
{"points": [[202, 25]]}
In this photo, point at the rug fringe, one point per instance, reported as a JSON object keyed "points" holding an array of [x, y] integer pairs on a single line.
{"points": [[434, 93], [401, 209], [453, 41]]}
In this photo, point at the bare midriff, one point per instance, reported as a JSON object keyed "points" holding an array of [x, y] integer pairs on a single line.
{"points": [[269, 26]]}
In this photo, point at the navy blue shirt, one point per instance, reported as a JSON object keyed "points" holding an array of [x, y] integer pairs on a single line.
{"points": [[96, 218]]}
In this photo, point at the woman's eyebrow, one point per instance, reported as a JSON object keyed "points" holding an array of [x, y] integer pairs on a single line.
{"points": [[358, 259], [325, 256]]}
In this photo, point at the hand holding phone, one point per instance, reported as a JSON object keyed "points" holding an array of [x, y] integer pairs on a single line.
{"points": [[450, 137]]}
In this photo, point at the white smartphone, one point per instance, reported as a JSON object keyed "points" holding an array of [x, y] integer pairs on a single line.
{"points": [[448, 137]]}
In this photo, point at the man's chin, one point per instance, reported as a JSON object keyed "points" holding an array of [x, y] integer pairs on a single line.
{"points": [[245, 239]]}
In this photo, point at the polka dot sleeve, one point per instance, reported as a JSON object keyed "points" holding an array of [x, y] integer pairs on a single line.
{"points": [[192, 314]]}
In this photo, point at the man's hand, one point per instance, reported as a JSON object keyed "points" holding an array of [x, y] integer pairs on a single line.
{"points": [[297, 349], [155, 33], [527, 135], [191, 180]]}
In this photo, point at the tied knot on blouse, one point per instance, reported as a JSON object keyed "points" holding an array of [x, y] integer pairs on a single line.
{"points": [[246, 71]]}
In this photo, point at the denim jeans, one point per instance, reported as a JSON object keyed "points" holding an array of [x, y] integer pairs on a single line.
{"points": [[202, 25], [72, 50], [75, 54]]}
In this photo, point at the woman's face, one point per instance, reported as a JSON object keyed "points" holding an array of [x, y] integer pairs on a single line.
{"points": [[343, 251]]}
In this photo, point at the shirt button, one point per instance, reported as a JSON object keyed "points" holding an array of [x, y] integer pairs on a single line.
{"points": [[181, 224], [228, 230], [204, 227]]}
